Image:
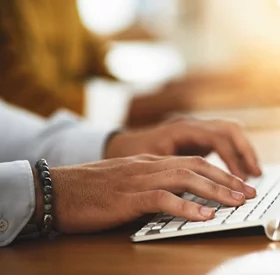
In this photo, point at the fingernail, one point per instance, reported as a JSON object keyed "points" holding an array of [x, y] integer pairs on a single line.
{"points": [[249, 189], [237, 195], [206, 212]]}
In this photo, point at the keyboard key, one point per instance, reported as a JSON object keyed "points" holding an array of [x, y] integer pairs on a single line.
{"points": [[172, 226], [179, 219], [189, 225], [244, 209], [188, 197], [165, 218], [159, 226], [215, 221], [255, 182], [225, 209], [270, 181], [148, 226], [200, 201], [254, 201], [212, 204], [142, 232], [260, 209], [235, 219], [222, 215], [155, 220], [240, 214]]}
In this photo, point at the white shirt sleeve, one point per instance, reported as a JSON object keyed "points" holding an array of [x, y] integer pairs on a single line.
{"points": [[64, 139], [17, 199]]}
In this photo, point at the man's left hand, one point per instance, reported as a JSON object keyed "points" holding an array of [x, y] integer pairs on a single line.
{"points": [[189, 137]]}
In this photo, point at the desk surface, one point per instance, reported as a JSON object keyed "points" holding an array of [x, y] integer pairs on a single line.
{"points": [[112, 252]]}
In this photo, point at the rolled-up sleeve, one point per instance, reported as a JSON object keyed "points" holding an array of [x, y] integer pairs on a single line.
{"points": [[17, 199]]}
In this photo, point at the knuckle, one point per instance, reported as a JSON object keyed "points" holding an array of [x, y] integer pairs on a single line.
{"points": [[219, 192], [189, 209], [235, 183], [136, 166], [159, 195], [181, 172], [214, 189], [183, 207]]}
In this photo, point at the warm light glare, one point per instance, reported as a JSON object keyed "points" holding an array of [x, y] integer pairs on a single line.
{"points": [[107, 16], [144, 62]]}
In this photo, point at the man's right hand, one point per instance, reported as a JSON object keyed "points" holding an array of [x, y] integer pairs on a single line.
{"points": [[106, 194]]}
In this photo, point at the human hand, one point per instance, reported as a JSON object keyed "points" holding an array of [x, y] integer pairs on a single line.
{"points": [[196, 90], [191, 137], [106, 194]]}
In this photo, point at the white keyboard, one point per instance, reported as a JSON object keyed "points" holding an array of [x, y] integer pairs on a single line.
{"points": [[264, 210]]}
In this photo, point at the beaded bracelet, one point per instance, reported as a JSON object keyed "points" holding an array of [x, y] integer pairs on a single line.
{"points": [[44, 176]]}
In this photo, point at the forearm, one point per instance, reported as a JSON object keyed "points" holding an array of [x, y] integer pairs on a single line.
{"points": [[150, 109]]}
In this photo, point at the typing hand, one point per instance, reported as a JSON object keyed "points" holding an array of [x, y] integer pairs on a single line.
{"points": [[191, 137], [102, 195]]}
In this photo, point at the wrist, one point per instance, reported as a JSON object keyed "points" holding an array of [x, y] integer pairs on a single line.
{"points": [[112, 143]]}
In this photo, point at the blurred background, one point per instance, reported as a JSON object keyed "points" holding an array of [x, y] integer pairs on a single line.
{"points": [[157, 40], [216, 58]]}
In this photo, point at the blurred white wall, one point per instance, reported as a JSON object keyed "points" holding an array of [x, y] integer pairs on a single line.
{"points": [[140, 64], [107, 16], [207, 33], [220, 32], [139, 61]]}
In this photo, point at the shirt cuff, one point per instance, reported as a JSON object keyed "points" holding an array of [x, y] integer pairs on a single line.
{"points": [[79, 145], [17, 199], [68, 140]]}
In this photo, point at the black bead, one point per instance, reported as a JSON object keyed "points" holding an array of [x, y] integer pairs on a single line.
{"points": [[47, 226], [48, 199], [48, 208], [43, 168], [47, 190], [40, 163], [48, 219], [47, 181], [45, 174]]}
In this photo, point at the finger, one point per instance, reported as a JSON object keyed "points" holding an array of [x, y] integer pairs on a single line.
{"points": [[163, 201], [245, 149], [221, 177], [182, 180], [227, 153], [203, 168]]}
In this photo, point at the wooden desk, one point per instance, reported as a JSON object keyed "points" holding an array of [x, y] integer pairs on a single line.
{"points": [[112, 252]]}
